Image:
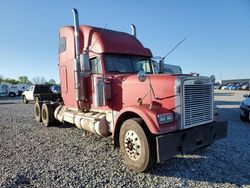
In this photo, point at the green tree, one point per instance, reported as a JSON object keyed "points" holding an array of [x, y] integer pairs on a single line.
{"points": [[52, 82], [1, 78], [39, 80], [24, 80], [11, 81]]}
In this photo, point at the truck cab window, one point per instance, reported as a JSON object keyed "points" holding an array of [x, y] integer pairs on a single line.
{"points": [[62, 44], [31, 88], [141, 64], [127, 64], [96, 66]]}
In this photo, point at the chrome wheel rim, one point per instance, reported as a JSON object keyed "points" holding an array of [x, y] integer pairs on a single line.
{"points": [[132, 145]]}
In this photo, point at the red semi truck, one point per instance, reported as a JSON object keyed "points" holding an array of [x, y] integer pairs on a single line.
{"points": [[109, 87]]}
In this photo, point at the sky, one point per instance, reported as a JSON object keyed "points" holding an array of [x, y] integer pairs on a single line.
{"points": [[218, 33]]}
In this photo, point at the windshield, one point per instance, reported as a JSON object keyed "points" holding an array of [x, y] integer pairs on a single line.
{"points": [[127, 64]]}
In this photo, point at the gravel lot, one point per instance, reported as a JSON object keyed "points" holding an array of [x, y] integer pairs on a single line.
{"points": [[35, 156]]}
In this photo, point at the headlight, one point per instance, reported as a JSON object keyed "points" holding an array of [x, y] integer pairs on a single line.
{"points": [[165, 118]]}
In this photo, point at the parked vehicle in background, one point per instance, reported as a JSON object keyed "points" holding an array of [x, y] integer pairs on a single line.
{"points": [[21, 88], [224, 86], [12, 90], [245, 86], [56, 89], [232, 85], [7, 89], [168, 68], [228, 86], [236, 86], [240, 85], [38, 92], [172, 69], [3, 89], [217, 85], [245, 108]]}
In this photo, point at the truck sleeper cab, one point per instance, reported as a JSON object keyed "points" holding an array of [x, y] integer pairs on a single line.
{"points": [[109, 87]]}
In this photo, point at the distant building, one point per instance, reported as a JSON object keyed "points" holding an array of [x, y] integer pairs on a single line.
{"points": [[234, 80]]}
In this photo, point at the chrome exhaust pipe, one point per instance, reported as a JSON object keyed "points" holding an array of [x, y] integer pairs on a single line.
{"points": [[77, 73], [133, 30]]}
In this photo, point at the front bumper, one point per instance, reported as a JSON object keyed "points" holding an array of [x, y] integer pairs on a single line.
{"points": [[170, 144]]}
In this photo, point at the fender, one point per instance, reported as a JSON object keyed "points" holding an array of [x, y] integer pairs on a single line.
{"points": [[149, 116]]}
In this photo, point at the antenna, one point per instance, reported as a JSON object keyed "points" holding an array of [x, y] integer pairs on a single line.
{"points": [[174, 48]]}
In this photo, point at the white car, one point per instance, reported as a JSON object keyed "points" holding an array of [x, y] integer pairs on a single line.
{"points": [[29, 95], [224, 87]]}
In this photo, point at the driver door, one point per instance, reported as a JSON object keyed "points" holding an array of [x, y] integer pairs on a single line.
{"points": [[30, 93]]}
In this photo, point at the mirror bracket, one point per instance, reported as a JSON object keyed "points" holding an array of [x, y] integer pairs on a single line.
{"points": [[85, 65]]}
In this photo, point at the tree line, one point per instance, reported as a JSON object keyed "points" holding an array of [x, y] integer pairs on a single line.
{"points": [[25, 80]]}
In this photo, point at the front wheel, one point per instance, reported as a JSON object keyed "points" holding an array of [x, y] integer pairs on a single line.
{"points": [[25, 101], [134, 145], [243, 118]]}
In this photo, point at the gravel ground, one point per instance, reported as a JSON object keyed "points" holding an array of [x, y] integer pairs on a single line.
{"points": [[35, 156]]}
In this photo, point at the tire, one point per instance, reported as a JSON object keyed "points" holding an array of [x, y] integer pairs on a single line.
{"points": [[243, 118], [205, 147], [47, 115], [134, 145], [25, 101], [36, 99], [37, 111], [12, 94]]}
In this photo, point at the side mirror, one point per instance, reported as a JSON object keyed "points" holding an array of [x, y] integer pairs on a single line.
{"points": [[245, 95], [141, 75], [161, 66], [84, 62]]}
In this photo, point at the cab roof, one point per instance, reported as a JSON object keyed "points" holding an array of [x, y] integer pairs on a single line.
{"points": [[99, 40]]}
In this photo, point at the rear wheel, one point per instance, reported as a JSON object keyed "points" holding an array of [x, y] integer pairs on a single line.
{"points": [[134, 145], [37, 111], [12, 94], [25, 101], [47, 114]]}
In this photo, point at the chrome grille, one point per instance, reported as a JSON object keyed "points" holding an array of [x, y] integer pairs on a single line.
{"points": [[197, 104]]}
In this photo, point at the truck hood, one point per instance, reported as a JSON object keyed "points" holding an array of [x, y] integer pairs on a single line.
{"points": [[128, 89]]}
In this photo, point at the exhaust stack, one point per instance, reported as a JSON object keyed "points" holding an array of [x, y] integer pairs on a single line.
{"points": [[77, 72], [133, 30]]}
